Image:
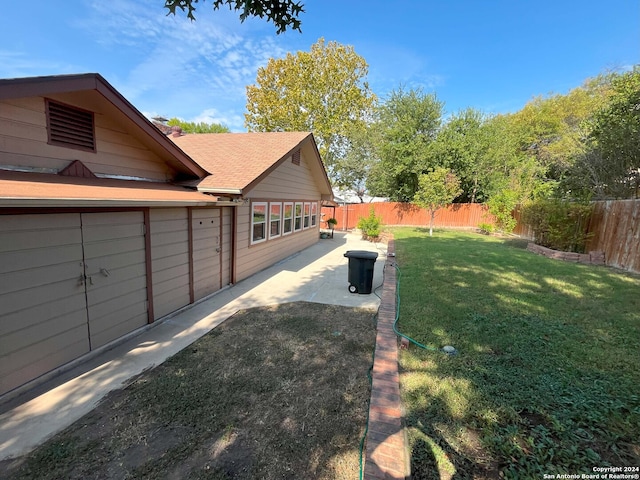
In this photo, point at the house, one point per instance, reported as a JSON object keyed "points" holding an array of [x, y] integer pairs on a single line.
{"points": [[108, 225]]}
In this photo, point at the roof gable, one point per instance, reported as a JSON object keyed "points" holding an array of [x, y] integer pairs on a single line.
{"points": [[237, 162], [91, 89]]}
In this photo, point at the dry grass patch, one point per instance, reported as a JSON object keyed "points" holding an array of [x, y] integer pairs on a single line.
{"points": [[274, 392]]}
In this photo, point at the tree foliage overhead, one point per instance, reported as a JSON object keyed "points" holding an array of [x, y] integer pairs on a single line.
{"points": [[198, 127], [323, 91], [283, 13]]}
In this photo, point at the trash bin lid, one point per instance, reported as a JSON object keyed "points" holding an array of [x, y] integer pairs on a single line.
{"points": [[361, 254]]}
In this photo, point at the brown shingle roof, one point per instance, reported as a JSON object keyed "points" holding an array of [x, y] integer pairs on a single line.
{"points": [[18, 188], [235, 160]]}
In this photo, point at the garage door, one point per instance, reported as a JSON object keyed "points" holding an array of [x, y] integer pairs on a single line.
{"points": [[69, 283]]}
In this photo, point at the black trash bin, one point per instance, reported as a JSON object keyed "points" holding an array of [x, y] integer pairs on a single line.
{"points": [[361, 265]]}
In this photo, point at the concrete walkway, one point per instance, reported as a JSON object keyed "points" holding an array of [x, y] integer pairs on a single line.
{"points": [[317, 274]]}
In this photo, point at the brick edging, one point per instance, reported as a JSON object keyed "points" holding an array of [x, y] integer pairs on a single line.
{"points": [[593, 257], [386, 445]]}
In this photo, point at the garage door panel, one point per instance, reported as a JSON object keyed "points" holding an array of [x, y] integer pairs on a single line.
{"points": [[99, 233], [117, 330], [39, 333], [18, 260], [36, 277], [29, 363], [39, 295], [11, 241], [35, 222], [36, 315], [120, 246], [114, 291]]}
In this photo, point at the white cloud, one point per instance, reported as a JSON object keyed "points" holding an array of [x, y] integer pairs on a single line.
{"points": [[183, 68]]}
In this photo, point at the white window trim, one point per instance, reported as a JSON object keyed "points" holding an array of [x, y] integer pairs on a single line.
{"points": [[306, 216], [284, 209], [266, 217], [301, 217], [314, 214], [275, 204]]}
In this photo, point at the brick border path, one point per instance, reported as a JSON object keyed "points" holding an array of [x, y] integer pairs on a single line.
{"points": [[387, 454]]}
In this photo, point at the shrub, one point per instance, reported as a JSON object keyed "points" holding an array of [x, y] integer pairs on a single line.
{"points": [[501, 206], [486, 228], [370, 226], [559, 224]]}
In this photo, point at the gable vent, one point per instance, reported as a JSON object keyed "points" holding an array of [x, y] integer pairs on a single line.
{"points": [[70, 127], [295, 158]]}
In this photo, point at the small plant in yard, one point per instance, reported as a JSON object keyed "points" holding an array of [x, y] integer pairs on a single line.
{"points": [[370, 226], [332, 222], [546, 377], [486, 228]]}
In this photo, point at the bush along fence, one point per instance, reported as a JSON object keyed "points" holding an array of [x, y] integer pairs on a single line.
{"points": [[613, 226]]}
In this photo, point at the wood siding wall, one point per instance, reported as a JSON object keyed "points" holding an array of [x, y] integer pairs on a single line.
{"points": [[288, 182], [615, 225], [23, 141]]}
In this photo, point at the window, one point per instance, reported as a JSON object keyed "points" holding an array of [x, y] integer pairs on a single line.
{"points": [[298, 217], [287, 226], [259, 222], [275, 220], [70, 126], [307, 215], [314, 214]]}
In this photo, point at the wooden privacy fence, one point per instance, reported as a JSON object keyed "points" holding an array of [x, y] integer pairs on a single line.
{"points": [[458, 215], [614, 224]]}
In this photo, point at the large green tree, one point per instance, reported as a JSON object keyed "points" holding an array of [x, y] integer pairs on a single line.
{"points": [[407, 125], [609, 166], [323, 91], [283, 13]]}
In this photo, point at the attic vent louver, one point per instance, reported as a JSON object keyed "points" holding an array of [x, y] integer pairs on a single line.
{"points": [[70, 127], [295, 158]]}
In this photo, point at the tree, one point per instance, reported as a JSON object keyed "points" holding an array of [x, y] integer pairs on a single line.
{"points": [[407, 125], [283, 13], [436, 189], [200, 127], [353, 167], [615, 137], [462, 145], [323, 91]]}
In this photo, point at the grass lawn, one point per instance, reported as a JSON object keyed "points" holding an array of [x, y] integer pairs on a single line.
{"points": [[273, 393], [547, 378]]}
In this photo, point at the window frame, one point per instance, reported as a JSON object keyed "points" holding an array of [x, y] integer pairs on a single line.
{"points": [[285, 218], [297, 227], [314, 214], [271, 220], [265, 205], [306, 216]]}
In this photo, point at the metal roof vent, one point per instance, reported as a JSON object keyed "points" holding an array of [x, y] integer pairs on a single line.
{"points": [[70, 127]]}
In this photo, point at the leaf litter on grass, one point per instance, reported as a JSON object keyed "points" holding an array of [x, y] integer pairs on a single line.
{"points": [[271, 393]]}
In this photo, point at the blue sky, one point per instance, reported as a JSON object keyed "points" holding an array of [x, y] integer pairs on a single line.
{"points": [[493, 55]]}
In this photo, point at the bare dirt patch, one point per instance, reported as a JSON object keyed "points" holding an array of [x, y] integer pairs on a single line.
{"points": [[274, 392]]}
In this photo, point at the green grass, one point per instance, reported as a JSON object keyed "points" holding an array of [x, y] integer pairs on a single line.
{"points": [[546, 378]]}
